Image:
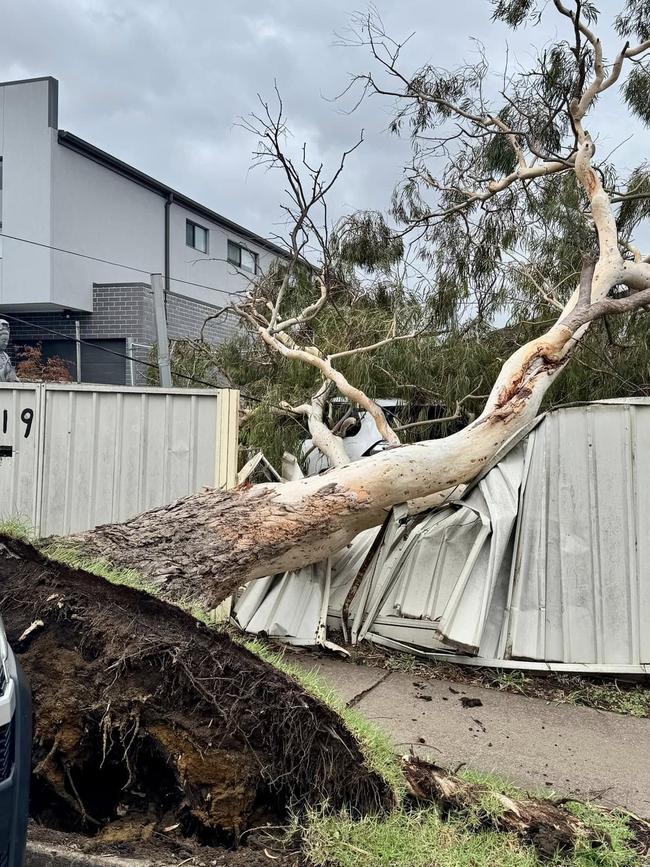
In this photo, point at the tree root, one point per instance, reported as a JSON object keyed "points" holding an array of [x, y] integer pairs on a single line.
{"points": [[143, 714], [548, 827]]}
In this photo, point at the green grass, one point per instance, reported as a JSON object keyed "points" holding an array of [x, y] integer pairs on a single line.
{"points": [[405, 839], [496, 783], [631, 700], [422, 839], [613, 829], [376, 747], [17, 528], [70, 555]]}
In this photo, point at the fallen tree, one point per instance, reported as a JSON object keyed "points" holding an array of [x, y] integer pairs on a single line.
{"points": [[185, 726], [148, 724], [203, 547]]}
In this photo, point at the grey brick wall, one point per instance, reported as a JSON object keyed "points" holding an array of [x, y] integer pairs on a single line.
{"points": [[119, 312], [123, 311], [186, 317]]}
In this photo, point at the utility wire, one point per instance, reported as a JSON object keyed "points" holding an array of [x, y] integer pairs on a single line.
{"points": [[65, 336], [114, 264], [119, 354], [185, 376]]}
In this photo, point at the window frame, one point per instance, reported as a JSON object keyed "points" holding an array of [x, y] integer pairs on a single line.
{"points": [[238, 262], [194, 226]]}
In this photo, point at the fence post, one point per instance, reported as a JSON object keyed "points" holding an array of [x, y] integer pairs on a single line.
{"points": [[227, 438], [129, 352], [77, 336], [160, 315]]}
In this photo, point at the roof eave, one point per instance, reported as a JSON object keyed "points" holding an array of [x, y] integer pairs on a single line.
{"points": [[79, 145]]}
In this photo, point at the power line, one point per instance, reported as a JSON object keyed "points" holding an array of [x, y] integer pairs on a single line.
{"points": [[185, 376], [65, 336], [118, 354], [114, 264]]}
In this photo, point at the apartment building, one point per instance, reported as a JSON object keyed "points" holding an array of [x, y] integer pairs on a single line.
{"points": [[81, 233]]}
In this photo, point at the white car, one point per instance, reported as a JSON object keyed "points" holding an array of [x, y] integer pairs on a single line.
{"points": [[15, 756]]}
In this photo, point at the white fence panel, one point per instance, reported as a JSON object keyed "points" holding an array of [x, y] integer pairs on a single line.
{"points": [[104, 454], [20, 429]]}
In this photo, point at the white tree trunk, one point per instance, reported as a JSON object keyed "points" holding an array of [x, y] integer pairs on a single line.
{"points": [[204, 547]]}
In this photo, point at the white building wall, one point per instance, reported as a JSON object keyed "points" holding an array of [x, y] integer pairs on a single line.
{"points": [[61, 198], [98, 212], [26, 143], [211, 268], [101, 214]]}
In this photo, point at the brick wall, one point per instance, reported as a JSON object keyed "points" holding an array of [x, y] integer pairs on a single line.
{"points": [[123, 311], [119, 311], [186, 317]]}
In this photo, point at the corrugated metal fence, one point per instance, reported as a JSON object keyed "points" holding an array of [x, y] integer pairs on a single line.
{"points": [[75, 456]]}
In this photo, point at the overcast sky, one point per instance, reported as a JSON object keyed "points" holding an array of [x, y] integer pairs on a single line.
{"points": [[162, 84]]}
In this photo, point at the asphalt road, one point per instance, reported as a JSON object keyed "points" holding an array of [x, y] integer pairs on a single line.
{"points": [[536, 744]]}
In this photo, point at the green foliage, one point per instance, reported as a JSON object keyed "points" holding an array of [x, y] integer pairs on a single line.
{"points": [[636, 208], [513, 12], [613, 361], [634, 21], [475, 252], [636, 92], [498, 155], [482, 279], [364, 240]]}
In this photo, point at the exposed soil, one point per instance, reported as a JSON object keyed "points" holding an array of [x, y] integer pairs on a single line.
{"points": [[259, 850], [145, 720]]}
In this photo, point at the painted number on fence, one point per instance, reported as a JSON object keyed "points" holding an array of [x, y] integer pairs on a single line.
{"points": [[26, 417]]}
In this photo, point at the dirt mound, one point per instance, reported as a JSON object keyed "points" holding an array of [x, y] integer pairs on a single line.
{"points": [[144, 716]]}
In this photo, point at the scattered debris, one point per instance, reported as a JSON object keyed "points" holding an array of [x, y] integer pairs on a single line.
{"points": [[470, 702], [37, 624], [547, 826]]}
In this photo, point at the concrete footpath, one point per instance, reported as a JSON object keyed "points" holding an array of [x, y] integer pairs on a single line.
{"points": [[536, 744]]}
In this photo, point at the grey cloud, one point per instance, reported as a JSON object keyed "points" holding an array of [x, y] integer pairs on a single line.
{"points": [[162, 85]]}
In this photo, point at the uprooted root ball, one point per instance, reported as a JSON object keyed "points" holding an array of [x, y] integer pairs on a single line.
{"points": [[143, 713]]}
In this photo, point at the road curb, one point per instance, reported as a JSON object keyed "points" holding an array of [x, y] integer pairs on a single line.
{"points": [[47, 855]]}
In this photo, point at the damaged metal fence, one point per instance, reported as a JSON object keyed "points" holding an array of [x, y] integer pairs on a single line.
{"points": [[543, 564]]}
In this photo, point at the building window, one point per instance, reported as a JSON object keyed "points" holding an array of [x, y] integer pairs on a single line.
{"points": [[196, 236], [242, 258]]}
